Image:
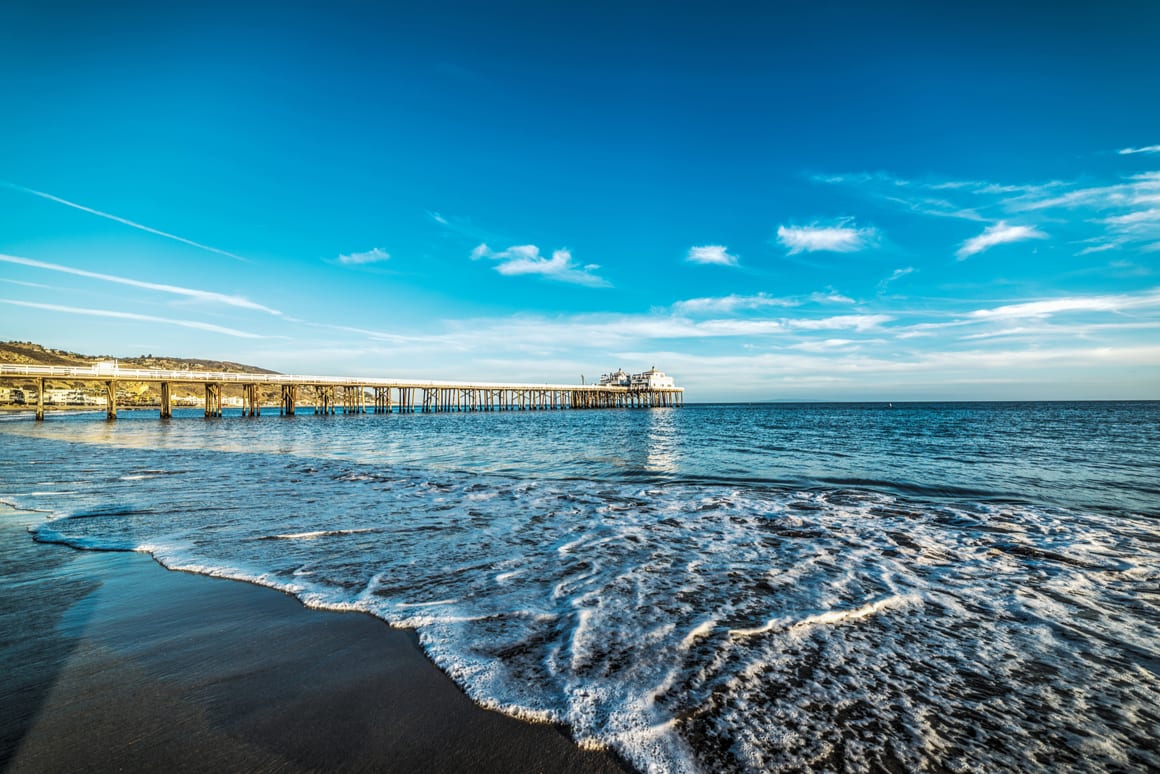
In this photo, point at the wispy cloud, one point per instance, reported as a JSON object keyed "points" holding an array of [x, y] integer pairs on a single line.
{"points": [[526, 260], [1114, 214], [376, 335], [1145, 149], [909, 347], [197, 295], [374, 255], [830, 297], [1136, 218], [824, 345], [957, 368], [1040, 330], [762, 346], [855, 322], [1095, 197], [464, 227], [836, 239], [25, 284], [711, 254], [941, 208], [1096, 246], [897, 275], [124, 221], [1095, 303], [998, 234], [195, 324], [735, 303], [922, 197], [730, 304]]}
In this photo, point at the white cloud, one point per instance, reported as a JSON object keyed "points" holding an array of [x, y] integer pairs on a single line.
{"points": [[1098, 197], [857, 373], [898, 274], [857, 322], [201, 326], [998, 234], [22, 283], [734, 303], [1046, 308], [712, 254], [824, 345], [463, 227], [374, 255], [197, 295], [830, 297], [925, 205], [731, 303], [916, 195], [1145, 149], [1098, 247], [738, 327], [1113, 212], [526, 259], [1135, 218], [926, 329], [836, 239]]}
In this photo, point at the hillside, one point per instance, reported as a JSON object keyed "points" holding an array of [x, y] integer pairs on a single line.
{"points": [[27, 353], [129, 393]]}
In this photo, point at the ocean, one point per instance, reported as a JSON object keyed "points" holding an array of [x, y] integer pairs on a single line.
{"points": [[786, 587]]}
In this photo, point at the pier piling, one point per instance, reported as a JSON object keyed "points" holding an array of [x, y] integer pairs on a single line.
{"points": [[213, 400], [111, 399]]}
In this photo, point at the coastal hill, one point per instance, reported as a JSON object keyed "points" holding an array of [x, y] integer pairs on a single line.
{"points": [[28, 353]]}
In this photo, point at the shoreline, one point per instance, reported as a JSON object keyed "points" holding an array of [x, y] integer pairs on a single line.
{"points": [[111, 661]]}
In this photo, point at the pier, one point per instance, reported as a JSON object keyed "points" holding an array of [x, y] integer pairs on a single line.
{"points": [[346, 395]]}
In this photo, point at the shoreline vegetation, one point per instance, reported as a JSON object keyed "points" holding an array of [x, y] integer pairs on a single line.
{"points": [[110, 661]]}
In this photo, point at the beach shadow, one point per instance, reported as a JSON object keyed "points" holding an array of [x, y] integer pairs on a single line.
{"points": [[39, 585]]}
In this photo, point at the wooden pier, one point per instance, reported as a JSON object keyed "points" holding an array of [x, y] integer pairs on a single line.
{"points": [[348, 395]]}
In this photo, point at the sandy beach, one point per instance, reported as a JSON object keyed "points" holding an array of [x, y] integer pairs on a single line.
{"points": [[110, 662]]}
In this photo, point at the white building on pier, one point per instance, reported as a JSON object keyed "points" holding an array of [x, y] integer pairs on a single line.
{"points": [[651, 379], [617, 378]]}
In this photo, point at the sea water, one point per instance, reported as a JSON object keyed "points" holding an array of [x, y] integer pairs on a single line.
{"points": [[962, 587]]}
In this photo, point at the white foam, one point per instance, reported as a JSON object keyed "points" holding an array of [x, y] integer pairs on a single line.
{"points": [[434, 603], [314, 534], [831, 617]]}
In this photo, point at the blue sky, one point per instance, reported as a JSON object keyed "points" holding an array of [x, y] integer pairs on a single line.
{"points": [[831, 201]]}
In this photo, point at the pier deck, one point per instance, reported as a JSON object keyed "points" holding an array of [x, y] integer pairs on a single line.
{"points": [[331, 394]]}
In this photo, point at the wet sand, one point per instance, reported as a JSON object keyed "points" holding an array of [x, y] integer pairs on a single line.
{"points": [[110, 662]]}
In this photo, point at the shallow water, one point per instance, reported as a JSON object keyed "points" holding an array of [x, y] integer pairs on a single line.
{"points": [[973, 587]]}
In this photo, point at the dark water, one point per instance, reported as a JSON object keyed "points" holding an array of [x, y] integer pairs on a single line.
{"points": [[965, 587]]}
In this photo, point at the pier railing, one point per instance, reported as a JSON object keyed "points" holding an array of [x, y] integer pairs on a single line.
{"points": [[327, 393]]}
